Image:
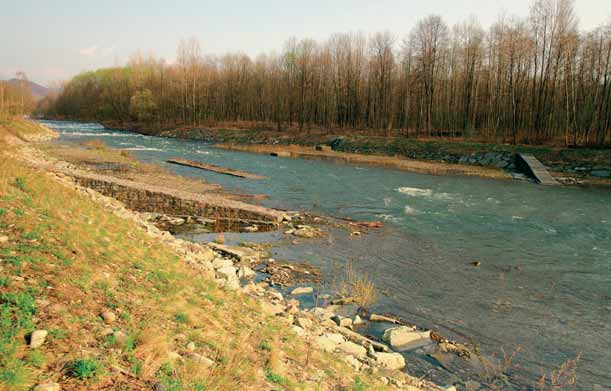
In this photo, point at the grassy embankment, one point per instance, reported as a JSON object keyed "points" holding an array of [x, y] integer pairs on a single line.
{"points": [[65, 260]]}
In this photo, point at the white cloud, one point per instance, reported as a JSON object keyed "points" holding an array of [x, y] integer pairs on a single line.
{"points": [[98, 51], [90, 51], [106, 52]]}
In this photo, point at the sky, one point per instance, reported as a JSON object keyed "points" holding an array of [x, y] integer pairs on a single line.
{"points": [[53, 40]]}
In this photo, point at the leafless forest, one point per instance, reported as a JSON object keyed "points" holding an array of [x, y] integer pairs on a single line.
{"points": [[534, 79]]}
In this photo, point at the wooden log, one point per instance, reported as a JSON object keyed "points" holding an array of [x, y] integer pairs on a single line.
{"points": [[213, 168], [361, 340], [382, 318]]}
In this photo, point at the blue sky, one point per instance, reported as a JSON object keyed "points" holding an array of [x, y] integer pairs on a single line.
{"points": [[52, 40]]}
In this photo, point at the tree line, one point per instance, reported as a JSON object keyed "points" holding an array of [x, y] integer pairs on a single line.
{"points": [[537, 79], [16, 98]]}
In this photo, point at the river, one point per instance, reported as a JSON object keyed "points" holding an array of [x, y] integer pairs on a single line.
{"points": [[544, 284]]}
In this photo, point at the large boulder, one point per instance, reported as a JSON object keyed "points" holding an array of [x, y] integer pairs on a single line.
{"points": [[390, 360], [220, 263], [352, 349], [227, 272], [402, 336]]}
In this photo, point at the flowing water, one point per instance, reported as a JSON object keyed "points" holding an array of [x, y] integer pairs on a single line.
{"points": [[544, 284]]}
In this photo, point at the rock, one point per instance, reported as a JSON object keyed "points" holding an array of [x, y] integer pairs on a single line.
{"points": [[450, 388], [159, 387], [353, 349], [302, 291], [252, 289], [390, 360], [108, 316], [220, 263], [353, 362], [173, 356], [342, 322], [106, 331], [303, 322], [3, 239], [232, 284], [357, 320], [403, 335], [472, 385], [275, 295], [324, 343], [305, 232], [227, 272], [37, 338], [198, 358], [336, 338], [246, 273], [243, 254], [120, 337], [270, 308], [51, 386], [298, 330], [191, 346]]}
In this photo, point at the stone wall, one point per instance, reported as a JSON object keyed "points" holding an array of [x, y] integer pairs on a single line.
{"points": [[143, 198]]}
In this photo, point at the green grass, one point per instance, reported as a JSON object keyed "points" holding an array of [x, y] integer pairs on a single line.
{"points": [[84, 369], [276, 378]]}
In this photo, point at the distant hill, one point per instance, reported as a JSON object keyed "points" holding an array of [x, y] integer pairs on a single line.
{"points": [[37, 90]]}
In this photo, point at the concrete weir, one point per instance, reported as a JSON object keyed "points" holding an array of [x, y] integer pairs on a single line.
{"points": [[533, 167], [156, 199]]}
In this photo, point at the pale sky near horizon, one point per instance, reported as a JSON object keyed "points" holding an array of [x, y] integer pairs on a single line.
{"points": [[52, 40]]}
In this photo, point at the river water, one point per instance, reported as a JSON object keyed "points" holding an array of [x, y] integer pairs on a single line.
{"points": [[544, 284]]}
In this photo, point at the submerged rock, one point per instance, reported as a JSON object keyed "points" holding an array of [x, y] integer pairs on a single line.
{"points": [[302, 291]]}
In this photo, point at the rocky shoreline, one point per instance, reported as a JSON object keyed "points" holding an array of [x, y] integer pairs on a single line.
{"points": [[332, 333]]}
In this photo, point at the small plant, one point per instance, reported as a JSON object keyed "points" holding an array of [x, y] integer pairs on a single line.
{"points": [[276, 378], [84, 369], [266, 345], [181, 317], [58, 333], [20, 183], [2, 212], [358, 385]]}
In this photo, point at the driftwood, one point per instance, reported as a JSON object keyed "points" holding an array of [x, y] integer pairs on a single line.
{"points": [[213, 168], [382, 318], [358, 338], [343, 301]]}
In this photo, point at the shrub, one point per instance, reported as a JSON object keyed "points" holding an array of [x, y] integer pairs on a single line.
{"points": [[359, 287]]}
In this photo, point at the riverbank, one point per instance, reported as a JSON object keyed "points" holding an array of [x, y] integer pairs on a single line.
{"points": [[421, 167], [586, 166], [96, 297]]}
